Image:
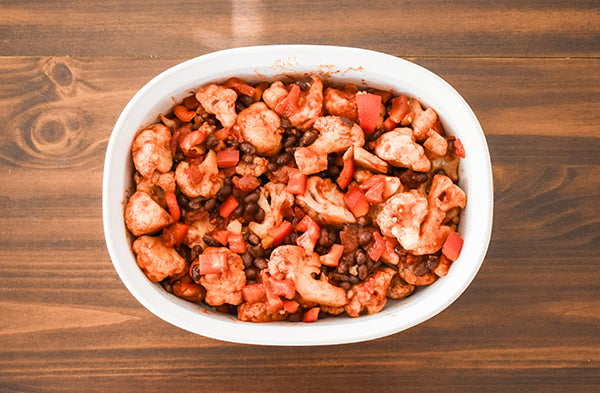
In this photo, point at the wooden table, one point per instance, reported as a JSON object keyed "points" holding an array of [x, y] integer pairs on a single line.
{"points": [[530, 321]]}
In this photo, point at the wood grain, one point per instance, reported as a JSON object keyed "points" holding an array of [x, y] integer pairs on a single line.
{"points": [[529, 322], [408, 28]]}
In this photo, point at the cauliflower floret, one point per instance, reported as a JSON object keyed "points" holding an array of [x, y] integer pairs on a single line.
{"points": [[422, 121], [261, 127], [226, 286], [280, 199], [220, 101], [308, 161], [151, 150], [200, 179], [310, 105], [399, 148], [144, 216], [336, 136], [291, 262], [342, 103], [156, 260], [256, 168], [324, 202], [258, 312], [370, 294], [401, 217], [399, 289], [200, 227]]}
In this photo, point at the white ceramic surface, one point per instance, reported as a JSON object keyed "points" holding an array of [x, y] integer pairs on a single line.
{"points": [[333, 64]]}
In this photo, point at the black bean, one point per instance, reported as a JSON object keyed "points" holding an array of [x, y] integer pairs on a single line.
{"points": [[247, 158], [182, 199], [412, 179], [272, 167], [238, 210], [323, 237], [364, 237], [195, 203], [224, 192], [369, 263], [251, 273], [250, 210], [210, 204], [353, 279], [260, 263], [364, 221], [304, 83], [360, 257], [247, 259], [342, 267], [346, 121], [440, 172], [297, 317], [252, 197], [375, 134], [421, 268], [283, 159], [333, 170], [239, 105], [196, 250], [308, 138], [185, 252], [345, 285], [247, 148], [253, 239], [232, 143], [290, 150], [260, 215], [211, 241], [246, 100], [432, 262], [333, 237], [290, 141], [286, 124], [195, 273], [227, 181], [363, 271], [256, 251]]}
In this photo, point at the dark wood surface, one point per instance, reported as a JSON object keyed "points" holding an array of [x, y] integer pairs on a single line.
{"points": [[530, 321]]}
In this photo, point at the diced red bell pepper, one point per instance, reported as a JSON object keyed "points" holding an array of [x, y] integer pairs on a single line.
{"points": [[178, 135], [290, 306], [357, 201], [311, 315], [346, 173], [212, 263], [377, 247], [285, 287], [172, 205], [228, 158], [174, 234], [183, 113], [332, 258], [296, 182], [369, 108], [246, 182], [254, 293], [228, 206], [452, 246], [240, 86], [288, 105], [374, 194], [459, 149], [399, 109], [280, 232], [237, 243], [191, 139]]}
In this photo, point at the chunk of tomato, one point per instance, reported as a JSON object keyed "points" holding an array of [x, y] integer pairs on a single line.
{"points": [[377, 247], [254, 293], [297, 182], [290, 306], [332, 258], [311, 315], [369, 108], [288, 105], [172, 205], [346, 173], [459, 149], [237, 243], [240, 86], [228, 158], [308, 240], [246, 182], [183, 113], [452, 246], [212, 263], [357, 201], [280, 232]]}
